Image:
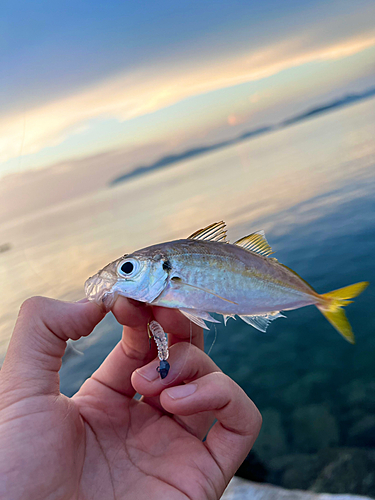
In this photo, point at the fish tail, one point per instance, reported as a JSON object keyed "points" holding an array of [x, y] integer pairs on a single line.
{"points": [[332, 304]]}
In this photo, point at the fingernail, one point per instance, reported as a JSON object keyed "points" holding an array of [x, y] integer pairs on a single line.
{"points": [[148, 372], [181, 391]]}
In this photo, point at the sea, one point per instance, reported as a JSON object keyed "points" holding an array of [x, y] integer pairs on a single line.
{"points": [[311, 187]]}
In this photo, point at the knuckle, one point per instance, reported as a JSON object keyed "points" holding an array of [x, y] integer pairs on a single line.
{"points": [[133, 352], [252, 420], [32, 304], [220, 378], [258, 419], [248, 412]]}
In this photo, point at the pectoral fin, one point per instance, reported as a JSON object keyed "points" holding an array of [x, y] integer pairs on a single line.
{"points": [[262, 321]]}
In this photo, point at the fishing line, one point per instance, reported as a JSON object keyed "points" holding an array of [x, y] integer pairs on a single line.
{"points": [[213, 341], [186, 356]]}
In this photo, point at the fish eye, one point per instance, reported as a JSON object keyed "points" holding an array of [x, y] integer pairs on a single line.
{"points": [[128, 267]]}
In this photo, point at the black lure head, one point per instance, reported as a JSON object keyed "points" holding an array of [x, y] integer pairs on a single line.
{"points": [[163, 368]]}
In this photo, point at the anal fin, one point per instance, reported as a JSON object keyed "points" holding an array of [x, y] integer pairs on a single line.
{"points": [[228, 316], [199, 317], [261, 322]]}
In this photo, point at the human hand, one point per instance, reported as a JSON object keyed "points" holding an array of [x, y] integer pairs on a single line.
{"points": [[103, 443]]}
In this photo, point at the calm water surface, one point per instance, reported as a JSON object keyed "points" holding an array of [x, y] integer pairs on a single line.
{"points": [[312, 188]]}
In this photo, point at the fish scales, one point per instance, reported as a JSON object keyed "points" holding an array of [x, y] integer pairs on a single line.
{"points": [[255, 284], [205, 273]]}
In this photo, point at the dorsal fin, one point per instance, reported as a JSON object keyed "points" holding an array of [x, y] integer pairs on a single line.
{"points": [[255, 242], [213, 232]]}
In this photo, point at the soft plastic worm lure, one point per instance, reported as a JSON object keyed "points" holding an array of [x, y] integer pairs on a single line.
{"points": [[161, 342]]}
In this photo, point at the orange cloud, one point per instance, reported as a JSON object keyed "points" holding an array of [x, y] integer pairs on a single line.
{"points": [[150, 89]]}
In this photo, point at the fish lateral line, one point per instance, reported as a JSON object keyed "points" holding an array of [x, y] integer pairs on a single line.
{"points": [[150, 270], [178, 280]]}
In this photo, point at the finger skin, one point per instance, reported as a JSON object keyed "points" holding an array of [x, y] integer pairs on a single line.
{"points": [[133, 351], [178, 327], [136, 315], [38, 343], [187, 362], [130, 353], [239, 421]]}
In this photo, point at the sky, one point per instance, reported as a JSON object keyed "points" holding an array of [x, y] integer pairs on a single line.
{"points": [[84, 78]]}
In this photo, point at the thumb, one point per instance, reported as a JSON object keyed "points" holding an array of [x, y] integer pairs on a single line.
{"points": [[38, 343]]}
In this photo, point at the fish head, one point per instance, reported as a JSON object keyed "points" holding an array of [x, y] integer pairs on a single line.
{"points": [[134, 276]]}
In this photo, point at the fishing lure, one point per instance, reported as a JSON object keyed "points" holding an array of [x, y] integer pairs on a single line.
{"points": [[161, 342]]}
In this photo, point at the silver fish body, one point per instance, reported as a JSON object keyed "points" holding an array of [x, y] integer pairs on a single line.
{"points": [[226, 279], [204, 273]]}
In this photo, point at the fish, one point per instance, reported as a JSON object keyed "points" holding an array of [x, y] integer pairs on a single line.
{"points": [[205, 273]]}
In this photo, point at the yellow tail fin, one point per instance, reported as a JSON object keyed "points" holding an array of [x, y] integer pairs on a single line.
{"points": [[331, 308]]}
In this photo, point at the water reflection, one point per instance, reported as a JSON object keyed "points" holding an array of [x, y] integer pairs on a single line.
{"points": [[247, 184], [311, 187]]}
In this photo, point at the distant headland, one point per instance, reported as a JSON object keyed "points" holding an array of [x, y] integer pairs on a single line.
{"points": [[190, 153]]}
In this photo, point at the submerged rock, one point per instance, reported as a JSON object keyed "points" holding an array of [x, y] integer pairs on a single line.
{"points": [[362, 433], [348, 470], [360, 394], [314, 428], [271, 441], [253, 469], [306, 389], [333, 470], [295, 471], [240, 489]]}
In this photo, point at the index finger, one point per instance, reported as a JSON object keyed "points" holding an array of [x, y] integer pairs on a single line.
{"points": [[135, 315], [38, 343]]}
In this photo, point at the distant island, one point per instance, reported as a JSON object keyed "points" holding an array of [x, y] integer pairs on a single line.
{"points": [[344, 101], [5, 247], [190, 153]]}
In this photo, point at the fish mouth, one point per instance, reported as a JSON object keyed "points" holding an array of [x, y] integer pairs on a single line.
{"points": [[100, 291]]}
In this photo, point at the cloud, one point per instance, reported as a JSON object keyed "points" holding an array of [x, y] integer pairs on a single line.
{"points": [[155, 87]]}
